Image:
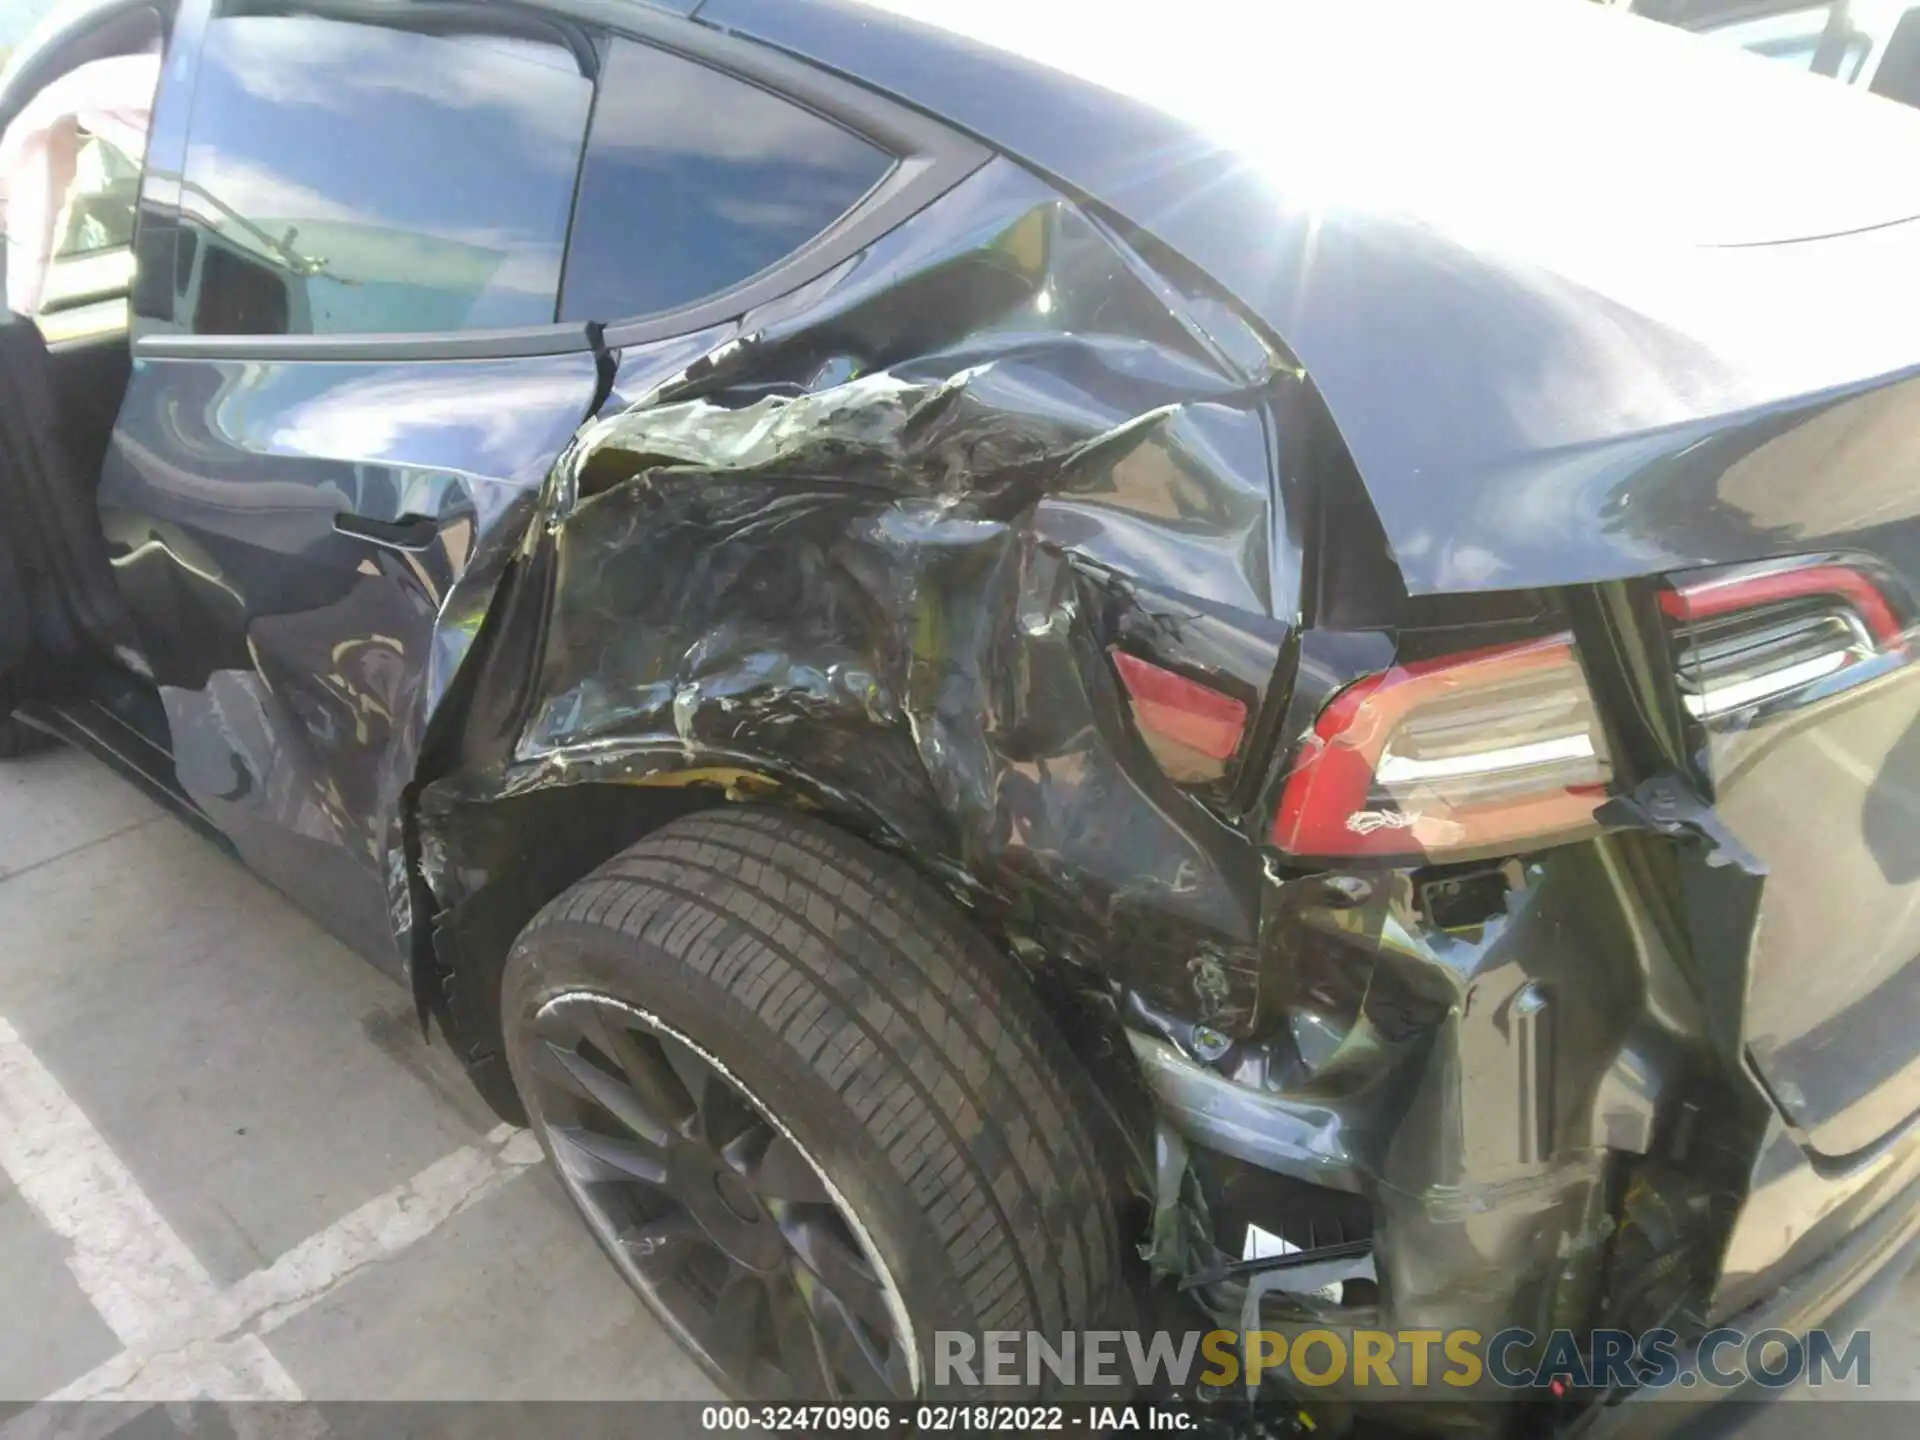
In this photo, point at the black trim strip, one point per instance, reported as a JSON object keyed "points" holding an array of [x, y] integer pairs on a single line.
{"points": [[897, 127], [600, 46], [106, 737], [459, 345]]}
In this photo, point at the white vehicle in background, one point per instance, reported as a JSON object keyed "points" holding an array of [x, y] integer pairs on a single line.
{"points": [[1874, 44]]}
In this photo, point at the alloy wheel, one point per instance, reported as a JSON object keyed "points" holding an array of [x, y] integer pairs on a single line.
{"points": [[711, 1208]]}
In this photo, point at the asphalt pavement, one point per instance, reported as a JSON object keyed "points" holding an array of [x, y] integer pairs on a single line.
{"points": [[231, 1169]]}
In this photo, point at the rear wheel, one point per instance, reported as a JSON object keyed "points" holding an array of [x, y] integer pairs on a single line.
{"points": [[810, 1113]]}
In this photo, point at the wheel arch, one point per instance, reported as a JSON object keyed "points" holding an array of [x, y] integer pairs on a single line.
{"points": [[491, 833], [495, 828], [491, 860], [495, 854]]}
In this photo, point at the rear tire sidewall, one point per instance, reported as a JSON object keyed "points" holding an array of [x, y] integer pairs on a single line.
{"points": [[570, 957]]}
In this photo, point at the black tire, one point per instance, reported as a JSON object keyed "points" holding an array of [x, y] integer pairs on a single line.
{"points": [[17, 738], [885, 1035]]}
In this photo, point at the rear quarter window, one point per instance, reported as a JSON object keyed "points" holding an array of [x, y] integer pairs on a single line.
{"points": [[695, 181], [353, 172]]}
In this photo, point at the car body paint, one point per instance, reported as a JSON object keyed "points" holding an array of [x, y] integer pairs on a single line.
{"points": [[870, 547], [1539, 342], [299, 665], [867, 553]]}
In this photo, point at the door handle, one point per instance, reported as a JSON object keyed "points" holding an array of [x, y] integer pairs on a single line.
{"points": [[407, 532]]}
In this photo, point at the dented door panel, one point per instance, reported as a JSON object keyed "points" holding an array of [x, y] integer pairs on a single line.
{"points": [[299, 663]]}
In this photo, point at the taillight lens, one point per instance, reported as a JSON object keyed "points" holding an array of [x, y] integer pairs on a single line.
{"points": [[1484, 749], [1848, 588], [1192, 729], [1749, 638]]}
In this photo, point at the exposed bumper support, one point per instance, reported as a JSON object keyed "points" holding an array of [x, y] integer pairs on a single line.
{"points": [[1305, 1140]]}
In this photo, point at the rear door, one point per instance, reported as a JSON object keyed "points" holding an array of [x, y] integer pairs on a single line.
{"points": [[369, 320], [349, 384]]}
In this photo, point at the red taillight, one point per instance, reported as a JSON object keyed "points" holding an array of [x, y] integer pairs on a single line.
{"points": [[1709, 599], [1483, 749], [1752, 638], [1191, 729]]}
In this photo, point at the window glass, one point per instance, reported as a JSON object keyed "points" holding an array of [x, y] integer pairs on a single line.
{"points": [[695, 180], [349, 176]]}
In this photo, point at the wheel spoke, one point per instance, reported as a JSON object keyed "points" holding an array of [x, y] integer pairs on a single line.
{"points": [[645, 1066], [726, 1118], [589, 1082], [784, 1174], [659, 1247], [593, 1158], [745, 1151], [801, 1363], [870, 1372], [733, 1330], [839, 1269]]}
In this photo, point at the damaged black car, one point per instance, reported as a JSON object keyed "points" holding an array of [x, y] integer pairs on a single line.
{"points": [[1016, 666]]}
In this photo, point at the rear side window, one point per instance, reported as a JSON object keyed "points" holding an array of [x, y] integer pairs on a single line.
{"points": [[695, 181], [349, 172]]}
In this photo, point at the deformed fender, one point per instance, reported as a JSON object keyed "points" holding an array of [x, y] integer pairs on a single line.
{"points": [[876, 548], [873, 550]]}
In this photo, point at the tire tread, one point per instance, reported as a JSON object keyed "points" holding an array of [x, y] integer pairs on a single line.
{"points": [[924, 1031]]}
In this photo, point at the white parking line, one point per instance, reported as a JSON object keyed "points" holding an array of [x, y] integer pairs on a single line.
{"points": [[384, 1226], [185, 1338], [137, 1273], [267, 1299]]}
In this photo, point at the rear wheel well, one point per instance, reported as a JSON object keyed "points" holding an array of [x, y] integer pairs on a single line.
{"points": [[528, 848], [507, 856]]}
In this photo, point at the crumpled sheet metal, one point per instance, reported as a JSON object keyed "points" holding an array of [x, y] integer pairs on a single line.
{"points": [[1478, 1105], [887, 581], [871, 549]]}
